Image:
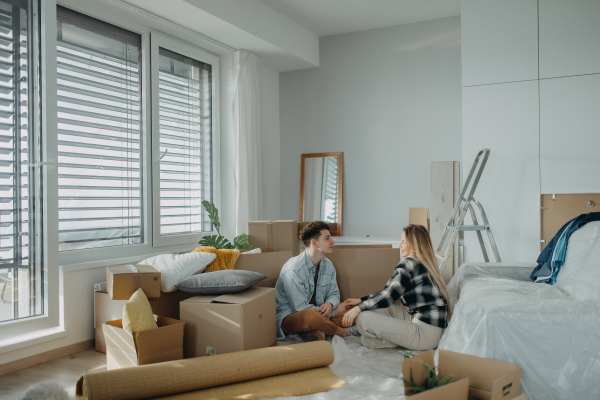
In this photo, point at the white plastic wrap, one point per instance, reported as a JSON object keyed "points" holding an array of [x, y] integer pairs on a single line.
{"points": [[370, 374], [553, 332]]}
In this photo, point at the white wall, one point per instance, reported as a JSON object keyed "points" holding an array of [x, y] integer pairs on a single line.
{"points": [[531, 74], [390, 99]]}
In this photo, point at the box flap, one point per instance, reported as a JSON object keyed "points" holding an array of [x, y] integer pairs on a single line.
{"points": [[168, 336], [508, 386], [243, 297], [481, 371], [201, 299], [117, 337], [418, 371]]}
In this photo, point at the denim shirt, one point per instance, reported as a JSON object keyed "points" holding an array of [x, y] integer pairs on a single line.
{"points": [[295, 287]]}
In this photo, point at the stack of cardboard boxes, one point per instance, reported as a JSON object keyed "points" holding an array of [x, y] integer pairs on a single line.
{"points": [[156, 345]]}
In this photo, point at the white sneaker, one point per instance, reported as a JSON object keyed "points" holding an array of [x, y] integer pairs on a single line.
{"points": [[376, 343]]}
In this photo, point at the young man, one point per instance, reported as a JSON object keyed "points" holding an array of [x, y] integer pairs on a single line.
{"points": [[307, 294]]}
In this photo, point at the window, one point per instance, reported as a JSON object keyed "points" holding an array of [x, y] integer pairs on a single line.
{"points": [[99, 134], [21, 272], [183, 122]]}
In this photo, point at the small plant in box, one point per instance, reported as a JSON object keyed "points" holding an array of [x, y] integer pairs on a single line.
{"points": [[219, 241], [432, 381]]}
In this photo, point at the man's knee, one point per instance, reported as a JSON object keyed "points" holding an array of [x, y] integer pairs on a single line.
{"points": [[310, 315]]}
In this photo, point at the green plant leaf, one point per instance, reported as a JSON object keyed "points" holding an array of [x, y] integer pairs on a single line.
{"points": [[241, 242], [446, 380], [218, 242], [213, 214]]}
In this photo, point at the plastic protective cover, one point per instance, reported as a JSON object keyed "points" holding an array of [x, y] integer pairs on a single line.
{"points": [[553, 332]]}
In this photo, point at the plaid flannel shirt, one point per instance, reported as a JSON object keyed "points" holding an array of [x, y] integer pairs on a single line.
{"points": [[413, 287]]}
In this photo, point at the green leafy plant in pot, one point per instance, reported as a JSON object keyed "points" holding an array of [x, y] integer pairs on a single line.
{"points": [[432, 381], [219, 241]]}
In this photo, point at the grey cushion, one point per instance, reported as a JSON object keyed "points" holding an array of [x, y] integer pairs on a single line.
{"points": [[220, 282]]}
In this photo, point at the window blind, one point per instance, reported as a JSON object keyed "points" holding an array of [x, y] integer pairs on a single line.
{"points": [[99, 133], [185, 143], [19, 151]]}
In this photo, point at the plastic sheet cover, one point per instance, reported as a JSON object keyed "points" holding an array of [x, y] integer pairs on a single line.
{"points": [[553, 332], [370, 374]]}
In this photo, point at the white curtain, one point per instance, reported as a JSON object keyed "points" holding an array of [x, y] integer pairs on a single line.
{"points": [[246, 126]]}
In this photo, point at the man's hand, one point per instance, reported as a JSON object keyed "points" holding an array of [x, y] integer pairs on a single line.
{"points": [[325, 309], [350, 316]]}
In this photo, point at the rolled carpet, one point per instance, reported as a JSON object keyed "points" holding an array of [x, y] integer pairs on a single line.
{"points": [[173, 377]]}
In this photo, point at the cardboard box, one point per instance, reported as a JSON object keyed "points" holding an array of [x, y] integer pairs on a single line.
{"points": [[418, 216], [363, 270], [155, 345], [259, 233], [227, 323], [285, 236], [268, 264], [491, 379], [106, 309], [121, 282]]}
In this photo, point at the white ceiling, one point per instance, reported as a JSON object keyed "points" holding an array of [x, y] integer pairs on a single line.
{"points": [[333, 17]]}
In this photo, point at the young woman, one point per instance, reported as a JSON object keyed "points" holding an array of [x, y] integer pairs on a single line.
{"points": [[418, 284]]}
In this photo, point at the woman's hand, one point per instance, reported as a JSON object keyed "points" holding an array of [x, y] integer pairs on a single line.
{"points": [[344, 305], [350, 316]]}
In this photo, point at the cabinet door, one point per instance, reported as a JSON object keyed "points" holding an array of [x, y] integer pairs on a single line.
{"points": [[569, 37], [504, 118], [570, 134], [499, 41]]}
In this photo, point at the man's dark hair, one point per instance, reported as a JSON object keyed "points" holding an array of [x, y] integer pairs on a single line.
{"points": [[312, 231]]}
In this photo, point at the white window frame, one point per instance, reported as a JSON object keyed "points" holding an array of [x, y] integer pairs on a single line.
{"points": [[51, 318], [158, 41]]}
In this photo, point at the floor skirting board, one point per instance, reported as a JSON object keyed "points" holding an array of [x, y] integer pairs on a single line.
{"points": [[46, 356]]}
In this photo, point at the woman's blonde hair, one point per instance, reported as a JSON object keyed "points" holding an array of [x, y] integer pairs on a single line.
{"points": [[421, 249]]}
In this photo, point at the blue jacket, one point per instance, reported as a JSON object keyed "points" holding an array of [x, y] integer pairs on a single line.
{"points": [[546, 271], [296, 284]]}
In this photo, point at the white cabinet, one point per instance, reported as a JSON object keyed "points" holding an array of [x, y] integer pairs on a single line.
{"points": [[570, 134], [504, 118], [499, 41], [569, 37]]}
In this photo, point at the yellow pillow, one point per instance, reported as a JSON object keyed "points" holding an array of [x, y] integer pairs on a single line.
{"points": [[137, 315], [226, 258]]}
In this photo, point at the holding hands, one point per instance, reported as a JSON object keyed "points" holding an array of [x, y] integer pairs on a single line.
{"points": [[350, 316], [326, 309]]}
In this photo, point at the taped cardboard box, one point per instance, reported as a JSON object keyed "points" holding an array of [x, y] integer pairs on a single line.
{"points": [[106, 309], [490, 379], [155, 345], [122, 281], [228, 323], [268, 264], [363, 270]]}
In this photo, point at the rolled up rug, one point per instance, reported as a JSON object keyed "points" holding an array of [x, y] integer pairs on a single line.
{"points": [[174, 377]]}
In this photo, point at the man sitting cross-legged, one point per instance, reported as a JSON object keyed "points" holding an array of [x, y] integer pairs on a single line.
{"points": [[308, 298]]}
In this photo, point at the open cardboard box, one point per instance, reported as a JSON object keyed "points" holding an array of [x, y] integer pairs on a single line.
{"points": [[218, 324], [490, 379], [155, 345]]}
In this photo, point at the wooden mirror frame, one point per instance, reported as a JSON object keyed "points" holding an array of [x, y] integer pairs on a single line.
{"points": [[340, 156]]}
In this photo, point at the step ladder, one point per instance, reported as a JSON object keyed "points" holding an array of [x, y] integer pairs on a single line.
{"points": [[464, 204]]}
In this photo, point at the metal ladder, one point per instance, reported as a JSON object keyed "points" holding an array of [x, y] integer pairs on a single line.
{"points": [[464, 204]]}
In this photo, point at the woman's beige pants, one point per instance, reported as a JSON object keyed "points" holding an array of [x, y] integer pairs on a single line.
{"points": [[395, 324]]}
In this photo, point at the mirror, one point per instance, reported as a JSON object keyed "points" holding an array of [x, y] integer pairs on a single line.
{"points": [[321, 177]]}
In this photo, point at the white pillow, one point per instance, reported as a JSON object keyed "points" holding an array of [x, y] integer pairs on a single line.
{"points": [[175, 268], [253, 251]]}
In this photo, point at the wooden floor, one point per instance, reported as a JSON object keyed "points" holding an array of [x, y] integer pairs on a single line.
{"points": [[65, 370]]}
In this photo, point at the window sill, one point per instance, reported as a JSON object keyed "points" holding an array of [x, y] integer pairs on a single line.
{"points": [[30, 339]]}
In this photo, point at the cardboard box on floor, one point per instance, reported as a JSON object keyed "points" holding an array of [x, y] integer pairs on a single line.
{"points": [[155, 345], [106, 309], [227, 323], [491, 379], [268, 264], [121, 282]]}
